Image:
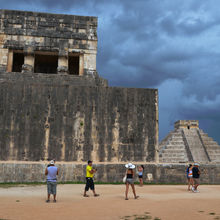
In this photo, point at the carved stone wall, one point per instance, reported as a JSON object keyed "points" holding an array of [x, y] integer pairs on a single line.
{"points": [[42, 119]]}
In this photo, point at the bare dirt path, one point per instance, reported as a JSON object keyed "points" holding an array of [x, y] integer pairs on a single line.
{"points": [[164, 202]]}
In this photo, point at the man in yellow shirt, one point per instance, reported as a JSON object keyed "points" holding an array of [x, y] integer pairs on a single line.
{"points": [[89, 179]]}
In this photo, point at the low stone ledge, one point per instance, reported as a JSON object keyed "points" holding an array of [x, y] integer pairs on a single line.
{"points": [[75, 172]]}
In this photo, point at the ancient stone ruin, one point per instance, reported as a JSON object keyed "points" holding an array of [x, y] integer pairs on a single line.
{"points": [[187, 144], [53, 104]]}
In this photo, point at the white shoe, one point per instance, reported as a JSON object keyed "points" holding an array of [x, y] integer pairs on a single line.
{"points": [[193, 189]]}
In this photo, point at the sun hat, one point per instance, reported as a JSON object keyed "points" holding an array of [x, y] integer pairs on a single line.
{"points": [[130, 166], [52, 162], [196, 164]]}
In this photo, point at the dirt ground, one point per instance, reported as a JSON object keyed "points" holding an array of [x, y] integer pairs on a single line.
{"points": [[155, 202]]}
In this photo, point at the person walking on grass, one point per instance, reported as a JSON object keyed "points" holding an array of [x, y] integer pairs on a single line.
{"points": [[196, 174], [130, 180], [140, 174], [51, 172], [89, 179], [189, 175]]}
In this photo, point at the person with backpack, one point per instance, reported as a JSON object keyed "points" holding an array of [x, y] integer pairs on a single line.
{"points": [[196, 175]]}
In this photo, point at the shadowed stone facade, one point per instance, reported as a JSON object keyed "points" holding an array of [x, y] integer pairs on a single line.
{"points": [[43, 120], [53, 104]]}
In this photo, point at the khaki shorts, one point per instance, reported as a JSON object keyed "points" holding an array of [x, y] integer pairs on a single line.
{"points": [[196, 181]]}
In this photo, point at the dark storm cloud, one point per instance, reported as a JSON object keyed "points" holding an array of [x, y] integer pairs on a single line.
{"points": [[171, 45]]}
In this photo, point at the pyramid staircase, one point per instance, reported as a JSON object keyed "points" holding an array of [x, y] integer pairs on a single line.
{"points": [[172, 149], [212, 147], [187, 143]]}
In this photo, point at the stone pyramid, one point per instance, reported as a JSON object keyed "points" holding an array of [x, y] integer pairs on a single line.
{"points": [[188, 143]]}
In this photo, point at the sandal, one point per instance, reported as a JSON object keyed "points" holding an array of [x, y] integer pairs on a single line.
{"points": [[136, 197], [47, 200], [126, 198], [96, 195], [86, 195]]}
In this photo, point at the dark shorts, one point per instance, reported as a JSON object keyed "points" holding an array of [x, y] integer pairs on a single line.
{"points": [[89, 184], [140, 176], [52, 188]]}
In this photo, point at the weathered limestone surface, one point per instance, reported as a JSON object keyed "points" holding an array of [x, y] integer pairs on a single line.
{"points": [[111, 172], [188, 143], [53, 104], [43, 118], [34, 33]]}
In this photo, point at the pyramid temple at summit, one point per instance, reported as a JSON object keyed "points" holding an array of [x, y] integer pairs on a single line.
{"points": [[188, 143]]}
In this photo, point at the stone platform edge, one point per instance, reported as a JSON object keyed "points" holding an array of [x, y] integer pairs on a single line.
{"points": [[17, 172]]}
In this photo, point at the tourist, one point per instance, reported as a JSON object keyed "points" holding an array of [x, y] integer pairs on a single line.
{"points": [[140, 174], [196, 174], [51, 172], [189, 176], [130, 180], [89, 179]]}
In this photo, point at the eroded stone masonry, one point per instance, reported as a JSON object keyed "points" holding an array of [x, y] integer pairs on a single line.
{"points": [[53, 104]]}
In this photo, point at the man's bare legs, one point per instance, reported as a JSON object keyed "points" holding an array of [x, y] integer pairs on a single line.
{"points": [[94, 193], [48, 197]]}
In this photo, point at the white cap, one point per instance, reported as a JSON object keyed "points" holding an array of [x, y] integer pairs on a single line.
{"points": [[52, 162]]}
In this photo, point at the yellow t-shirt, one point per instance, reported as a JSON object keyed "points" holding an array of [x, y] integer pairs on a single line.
{"points": [[88, 174]]}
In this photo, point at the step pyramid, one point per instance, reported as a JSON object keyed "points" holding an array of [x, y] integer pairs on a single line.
{"points": [[187, 144]]}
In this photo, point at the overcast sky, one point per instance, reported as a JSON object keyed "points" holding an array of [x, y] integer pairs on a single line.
{"points": [[172, 45]]}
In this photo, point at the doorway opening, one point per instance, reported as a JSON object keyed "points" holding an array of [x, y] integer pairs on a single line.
{"points": [[73, 65], [46, 63], [18, 61]]}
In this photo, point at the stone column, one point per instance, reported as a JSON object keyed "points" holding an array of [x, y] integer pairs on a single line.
{"points": [[10, 61], [28, 65], [81, 64], [63, 67]]}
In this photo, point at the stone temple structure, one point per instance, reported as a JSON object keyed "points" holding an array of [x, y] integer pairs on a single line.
{"points": [[187, 144], [53, 104]]}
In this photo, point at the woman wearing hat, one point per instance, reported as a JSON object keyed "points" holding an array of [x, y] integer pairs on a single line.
{"points": [[130, 179]]}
